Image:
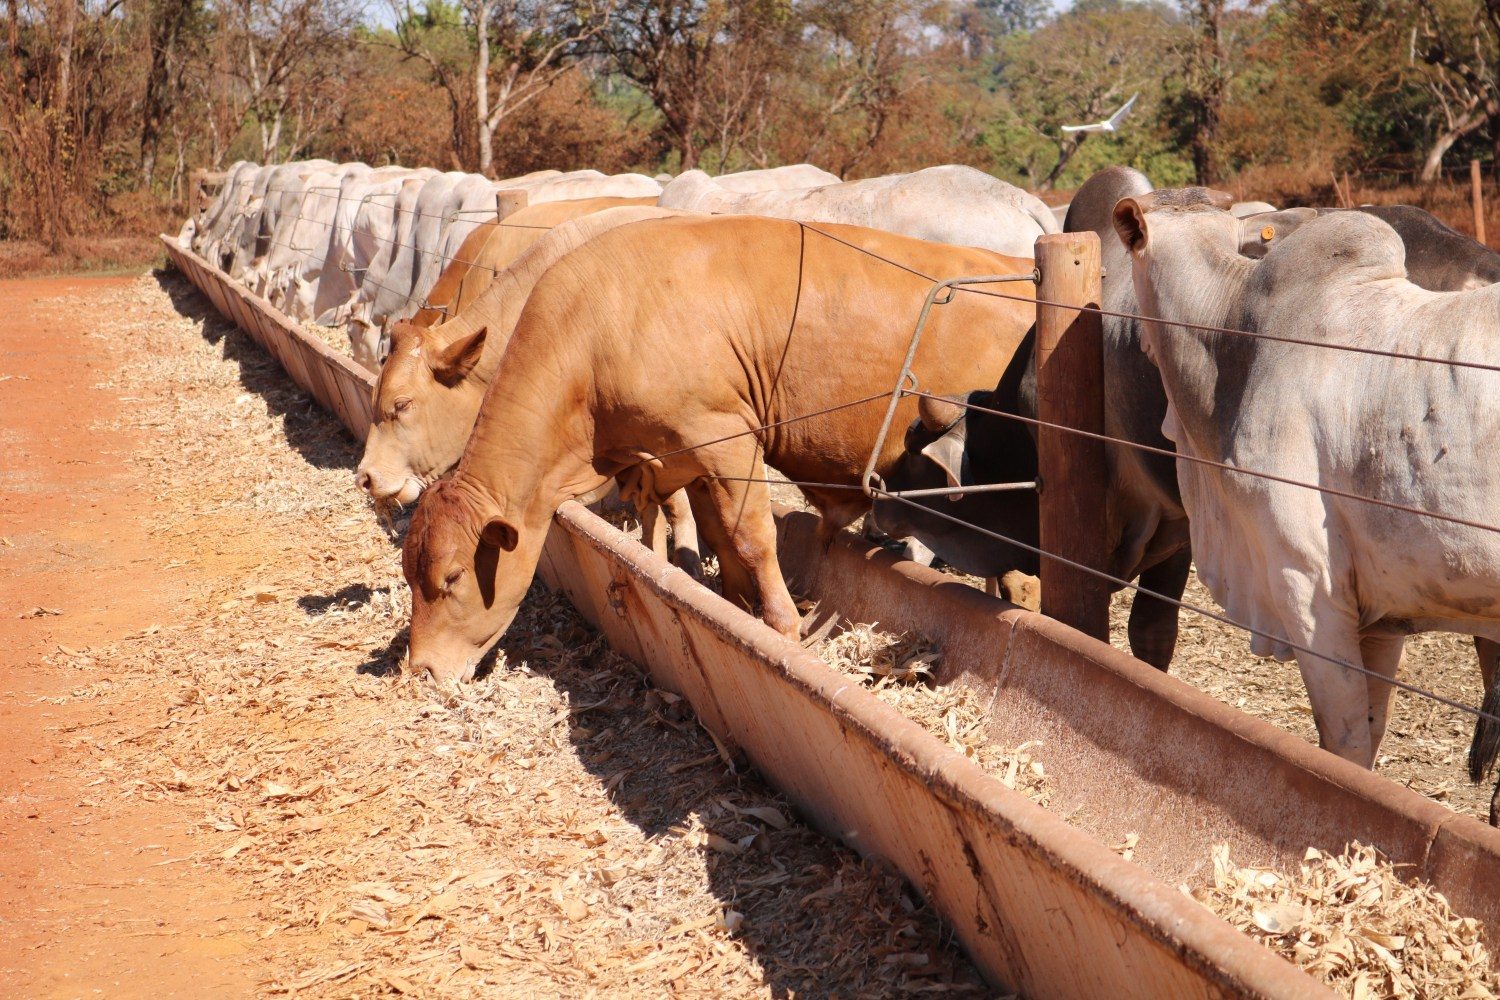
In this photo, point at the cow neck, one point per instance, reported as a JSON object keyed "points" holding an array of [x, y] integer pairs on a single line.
{"points": [[1201, 371], [531, 448]]}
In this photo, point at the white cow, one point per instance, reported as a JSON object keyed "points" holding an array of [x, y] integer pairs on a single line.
{"points": [[277, 191], [1245, 209], [792, 177], [304, 244], [363, 226], [1346, 578], [299, 240], [953, 204], [224, 211], [589, 184], [445, 213]]}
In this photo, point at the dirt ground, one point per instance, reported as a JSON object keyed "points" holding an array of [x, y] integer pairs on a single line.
{"points": [[215, 782]]}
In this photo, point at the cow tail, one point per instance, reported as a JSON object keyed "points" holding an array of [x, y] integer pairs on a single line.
{"points": [[1486, 745]]}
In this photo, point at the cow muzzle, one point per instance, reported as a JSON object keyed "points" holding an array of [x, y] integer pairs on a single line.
{"points": [[403, 491]]}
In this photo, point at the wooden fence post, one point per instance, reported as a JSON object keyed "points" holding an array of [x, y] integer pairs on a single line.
{"points": [[1474, 182], [510, 201], [1070, 393]]}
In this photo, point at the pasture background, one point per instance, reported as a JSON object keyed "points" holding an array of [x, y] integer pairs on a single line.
{"points": [[106, 104]]}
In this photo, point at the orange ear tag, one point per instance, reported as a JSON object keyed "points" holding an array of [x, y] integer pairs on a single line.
{"points": [[1268, 234]]}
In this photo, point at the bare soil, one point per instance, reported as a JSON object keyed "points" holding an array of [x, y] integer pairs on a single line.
{"points": [[216, 782]]}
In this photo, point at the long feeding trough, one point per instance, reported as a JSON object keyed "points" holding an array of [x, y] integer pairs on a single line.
{"points": [[1040, 903]]}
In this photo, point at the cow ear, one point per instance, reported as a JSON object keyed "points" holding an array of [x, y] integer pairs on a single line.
{"points": [[947, 453], [454, 362], [938, 414], [1130, 224], [498, 533]]}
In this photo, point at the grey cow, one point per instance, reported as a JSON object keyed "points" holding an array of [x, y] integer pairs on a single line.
{"points": [[1309, 569]]}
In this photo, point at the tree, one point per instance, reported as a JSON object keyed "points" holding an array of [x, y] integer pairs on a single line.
{"points": [[512, 51], [1080, 68], [865, 50], [1458, 43], [1207, 81], [168, 21], [277, 65], [705, 65]]}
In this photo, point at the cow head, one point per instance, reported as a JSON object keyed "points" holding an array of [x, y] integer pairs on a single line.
{"points": [[468, 566], [1164, 207], [425, 403], [1180, 241], [950, 445]]}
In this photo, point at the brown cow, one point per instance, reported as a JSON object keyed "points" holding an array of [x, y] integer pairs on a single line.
{"points": [[494, 246], [693, 372], [432, 382]]}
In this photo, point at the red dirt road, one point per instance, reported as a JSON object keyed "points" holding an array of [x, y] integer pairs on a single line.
{"points": [[95, 897]]}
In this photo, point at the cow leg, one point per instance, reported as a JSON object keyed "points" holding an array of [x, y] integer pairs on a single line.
{"points": [[684, 534], [1382, 654], [736, 519], [1486, 742], [1340, 697], [653, 529], [1153, 622]]}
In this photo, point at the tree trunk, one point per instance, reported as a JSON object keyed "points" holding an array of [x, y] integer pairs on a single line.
{"points": [[1208, 101], [67, 28], [167, 20], [1064, 154], [1432, 163], [486, 132]]}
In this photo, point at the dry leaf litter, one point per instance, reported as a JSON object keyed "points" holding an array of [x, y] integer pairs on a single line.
{"points": [[557, 828], [1351, 921]]}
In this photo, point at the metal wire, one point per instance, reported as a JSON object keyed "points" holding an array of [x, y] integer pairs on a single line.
{"points": [[877, 488], [1186, 605], [1351, 348], [1223, 466]]}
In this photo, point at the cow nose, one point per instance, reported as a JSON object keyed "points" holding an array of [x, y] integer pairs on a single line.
{"points": [[364, 481]]}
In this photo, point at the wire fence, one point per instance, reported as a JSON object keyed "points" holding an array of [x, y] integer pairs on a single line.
{"points": [[906, 386]]}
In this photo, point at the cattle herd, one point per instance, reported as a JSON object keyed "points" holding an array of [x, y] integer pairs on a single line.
{"points": [[1298, 401]]}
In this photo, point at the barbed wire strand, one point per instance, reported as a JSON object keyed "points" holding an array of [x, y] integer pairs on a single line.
{"points": [[1197, 609], [1113, 580], [1211, 463]]}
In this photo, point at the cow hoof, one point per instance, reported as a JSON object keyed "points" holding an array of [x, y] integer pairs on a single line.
{"points": [[1022, 590]]}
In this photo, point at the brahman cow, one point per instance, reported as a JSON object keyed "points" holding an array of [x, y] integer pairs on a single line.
{"points": [[431, 385], [957, 205], [364, 227], [1304, 569], [1145, 525], [277, 190], [741, 319], [209, 223], [302, 240]]}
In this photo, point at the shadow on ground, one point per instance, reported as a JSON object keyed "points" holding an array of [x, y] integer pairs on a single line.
{"points": [[320, 440]]}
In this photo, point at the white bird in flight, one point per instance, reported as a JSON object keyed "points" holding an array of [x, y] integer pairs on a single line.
{"points": [[1112, 124]]}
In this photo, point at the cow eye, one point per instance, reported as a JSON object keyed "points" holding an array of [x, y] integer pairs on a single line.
{"points": [[452, 578], [402, 405]]}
